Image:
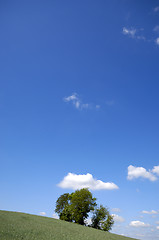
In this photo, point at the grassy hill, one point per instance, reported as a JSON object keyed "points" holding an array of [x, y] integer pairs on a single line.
{"points": [[18, 226]]}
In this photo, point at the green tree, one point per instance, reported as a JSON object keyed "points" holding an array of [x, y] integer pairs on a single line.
{"points": [[102, 219], [82, 202], [76, 206], [107, 225], [63, 207], [66, 214]]}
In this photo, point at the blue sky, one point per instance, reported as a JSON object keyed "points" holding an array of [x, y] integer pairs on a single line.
{"points": [[79, 103]]}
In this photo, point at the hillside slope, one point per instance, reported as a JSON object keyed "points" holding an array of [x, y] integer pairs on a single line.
{"points": [[18, 226]]}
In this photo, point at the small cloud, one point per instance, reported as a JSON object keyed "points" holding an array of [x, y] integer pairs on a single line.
{"points": [[118, 218], [42, 213], [97, 106], [149, 212], [85, 105], [74, 181], [140, 172], [88, 221], [133, 33], [76, 101], [156, 170], [138, 224], [129, 31], [77, 104], [157, 227], [157, 41], [156, 9], [73, 97], [116, 210], [110, 103], [55, 216]]}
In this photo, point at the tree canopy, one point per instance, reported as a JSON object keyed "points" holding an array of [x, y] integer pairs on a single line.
{"points": [[102, 219], [75, 207]]}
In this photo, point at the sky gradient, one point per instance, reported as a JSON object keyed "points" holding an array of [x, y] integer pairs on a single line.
{"points": [[79, 103]]}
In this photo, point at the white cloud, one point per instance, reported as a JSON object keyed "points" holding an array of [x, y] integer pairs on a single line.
{"points": [[156, 170], [157, 41], [42, 213], [116, 210], [88, 221], [149, 212], [133, 33], [76, 101], [118, 218], [157, 227], [140, 172], [55, 216], [156, 9], [71, 98], [138, 224], [129, 31], [74, 181]]}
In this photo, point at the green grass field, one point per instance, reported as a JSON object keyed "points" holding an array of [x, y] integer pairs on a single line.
{"points": [[18, 226]]}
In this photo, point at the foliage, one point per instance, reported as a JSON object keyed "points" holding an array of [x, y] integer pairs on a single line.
{"points": [[107, 224], [98, 216], [82, 203], [63, 207], [75, 207], [102, 219]]}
